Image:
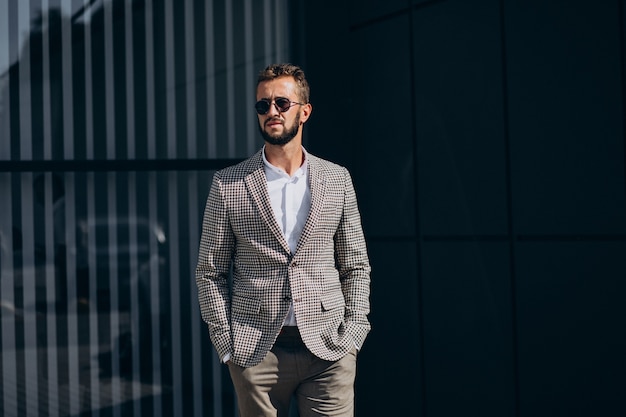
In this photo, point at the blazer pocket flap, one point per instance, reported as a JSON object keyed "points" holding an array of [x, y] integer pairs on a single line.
{"points": [[246, 305], [332, 301]]}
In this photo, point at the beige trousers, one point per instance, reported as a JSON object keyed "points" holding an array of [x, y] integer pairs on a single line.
{"points": [[321, 388]]}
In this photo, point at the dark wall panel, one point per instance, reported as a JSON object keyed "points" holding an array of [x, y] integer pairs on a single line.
{"points": [[571, 311], [388, 380], [566, 116], [364, 11], [459, 118], [468, 329], [328, 131], [381, 135]]}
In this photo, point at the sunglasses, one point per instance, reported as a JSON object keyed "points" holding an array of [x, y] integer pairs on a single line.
{"points": [[282, 105]]}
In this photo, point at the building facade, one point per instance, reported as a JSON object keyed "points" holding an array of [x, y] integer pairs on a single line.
{"points": [[486, 140]]}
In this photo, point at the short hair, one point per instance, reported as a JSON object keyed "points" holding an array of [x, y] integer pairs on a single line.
{"points": [[274, 71]]}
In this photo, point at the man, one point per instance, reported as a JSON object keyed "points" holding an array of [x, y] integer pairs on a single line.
{"points": [[287, 225]]}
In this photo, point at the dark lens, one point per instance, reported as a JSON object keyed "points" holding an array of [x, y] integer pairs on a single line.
{"points": [[262, 106], [283, 104]]}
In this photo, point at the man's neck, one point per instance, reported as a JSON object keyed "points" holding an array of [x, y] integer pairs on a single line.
{"points": [[287, 157]]}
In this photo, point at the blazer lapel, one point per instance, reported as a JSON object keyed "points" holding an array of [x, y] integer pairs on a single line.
{"points": [[256, 181], [317, 182]]}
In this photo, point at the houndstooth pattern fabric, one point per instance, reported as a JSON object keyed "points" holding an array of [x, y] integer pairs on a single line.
{"points": [[327, 278]]}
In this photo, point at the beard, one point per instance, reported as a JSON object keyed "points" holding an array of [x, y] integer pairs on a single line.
{"points": [[287, 135]]}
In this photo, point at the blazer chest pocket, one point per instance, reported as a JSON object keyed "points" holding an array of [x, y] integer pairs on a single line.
{"points": [[246, 305]]}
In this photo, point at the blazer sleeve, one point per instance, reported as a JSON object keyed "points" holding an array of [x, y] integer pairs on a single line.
{"points": [[216, 248], [353, 265]]}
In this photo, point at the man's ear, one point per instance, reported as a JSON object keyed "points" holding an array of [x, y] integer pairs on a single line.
{"points": [[305, 112]]}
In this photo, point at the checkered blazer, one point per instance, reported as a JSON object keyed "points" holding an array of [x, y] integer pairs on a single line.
{"points": [[327, 278]]}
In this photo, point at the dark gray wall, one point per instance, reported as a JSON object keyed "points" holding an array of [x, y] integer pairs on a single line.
{"points": [[486, 142]]}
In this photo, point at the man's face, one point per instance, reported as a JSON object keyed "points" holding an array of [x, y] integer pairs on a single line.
{"points": [[276, 127]]}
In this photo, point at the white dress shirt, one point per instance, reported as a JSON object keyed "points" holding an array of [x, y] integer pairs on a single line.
{"points": [[290, 197]]}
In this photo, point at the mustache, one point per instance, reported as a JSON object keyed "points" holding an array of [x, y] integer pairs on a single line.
{"points": [[274, 119]]}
